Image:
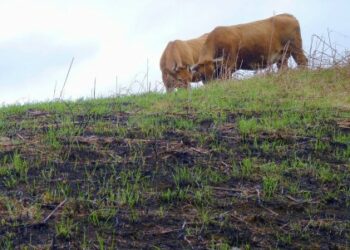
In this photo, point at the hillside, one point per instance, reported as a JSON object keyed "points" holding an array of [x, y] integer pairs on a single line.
{"points": [[256, 163]]}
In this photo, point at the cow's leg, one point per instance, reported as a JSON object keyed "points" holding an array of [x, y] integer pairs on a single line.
{"points": [[282, 64], [221, 71], [218, 72], [299, 57], [297, 51], [229, 67]]}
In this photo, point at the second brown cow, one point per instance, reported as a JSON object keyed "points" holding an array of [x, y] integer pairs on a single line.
{"points": [[251, 46]]}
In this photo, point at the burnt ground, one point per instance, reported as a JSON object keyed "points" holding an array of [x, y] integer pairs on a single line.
{"points": [[107, 181]]}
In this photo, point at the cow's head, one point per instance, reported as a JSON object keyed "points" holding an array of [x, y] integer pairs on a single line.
{"points": [[180, 76], [207, 70], [183, 75]]}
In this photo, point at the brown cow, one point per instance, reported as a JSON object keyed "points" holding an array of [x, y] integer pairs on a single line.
{"points": [[251, 46], [176, 62]]}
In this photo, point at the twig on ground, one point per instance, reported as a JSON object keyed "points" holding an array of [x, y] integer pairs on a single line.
{"points": [[258, 193], [20, 137], [188, 242], [55, 210], [227, 189], [270, 210], [301, 201]]}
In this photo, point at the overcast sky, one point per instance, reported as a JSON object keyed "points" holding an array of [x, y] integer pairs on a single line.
{"points": [[114, 38]]}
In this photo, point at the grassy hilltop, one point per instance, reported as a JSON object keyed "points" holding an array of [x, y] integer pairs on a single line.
{"points": [[257, 163]]}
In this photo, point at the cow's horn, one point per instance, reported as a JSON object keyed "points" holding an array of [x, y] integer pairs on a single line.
{"points": [[217, 60], [194, 67]]}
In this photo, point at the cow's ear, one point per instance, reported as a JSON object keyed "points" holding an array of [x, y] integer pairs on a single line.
{"points": [[175, 67]]}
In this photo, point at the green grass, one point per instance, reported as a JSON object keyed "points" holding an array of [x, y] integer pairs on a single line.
{"points": [[257, 163]]}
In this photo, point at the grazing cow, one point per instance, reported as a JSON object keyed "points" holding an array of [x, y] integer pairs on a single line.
{"points": [[251, 46], [176, 62]]}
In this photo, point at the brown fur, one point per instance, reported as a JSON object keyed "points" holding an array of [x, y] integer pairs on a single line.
{"points": [[251, 46], [176, 62]]}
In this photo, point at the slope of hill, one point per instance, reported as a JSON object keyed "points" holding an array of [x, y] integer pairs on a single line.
{"points": [[257, 163]]}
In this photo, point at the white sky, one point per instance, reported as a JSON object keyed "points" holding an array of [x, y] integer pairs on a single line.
{"points": [[114, 38]]}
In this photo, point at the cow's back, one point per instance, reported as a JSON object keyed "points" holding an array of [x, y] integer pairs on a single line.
{"points": [[264, 42], [181, 52], [195, 46], [252, 43]]}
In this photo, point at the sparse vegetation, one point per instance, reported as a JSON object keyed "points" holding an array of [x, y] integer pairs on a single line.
{"points": [[258, 163]]}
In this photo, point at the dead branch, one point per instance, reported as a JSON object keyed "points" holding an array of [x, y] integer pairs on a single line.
{"points": [[55, 210]]}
